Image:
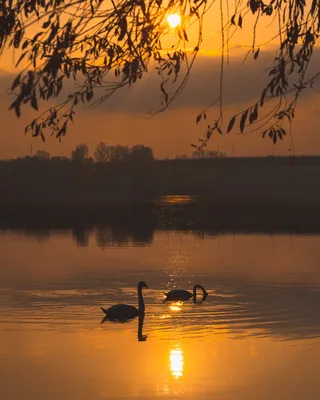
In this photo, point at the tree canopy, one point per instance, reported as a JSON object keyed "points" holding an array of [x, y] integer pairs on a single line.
{"points": [[80, 153], [106, 45]]}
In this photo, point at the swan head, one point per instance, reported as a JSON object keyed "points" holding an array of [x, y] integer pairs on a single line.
{"points": [[142, 284]]}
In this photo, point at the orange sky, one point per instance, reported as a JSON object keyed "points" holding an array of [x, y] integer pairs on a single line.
{"points": [[125, 119]]}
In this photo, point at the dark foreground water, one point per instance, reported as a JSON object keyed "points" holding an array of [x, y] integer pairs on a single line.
{"points": [[257, 336]]}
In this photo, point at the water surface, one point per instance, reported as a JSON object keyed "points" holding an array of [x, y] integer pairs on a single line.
{"points": [[257, 336]]}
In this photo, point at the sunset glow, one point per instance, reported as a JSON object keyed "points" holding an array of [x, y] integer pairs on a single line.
{"points": [[174, 20]]}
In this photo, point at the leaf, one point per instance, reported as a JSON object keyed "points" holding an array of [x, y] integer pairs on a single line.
{"points": [[16, 82], [231, 123], [313, 6], [240, 21], [283, 131], [25, 44], [123, 28], [254, 5], [274, 138], [254, 114], [185, 35], [194, 145], [263, 96], [21, 58], [198, 119], [34, 102], [243, 120], [256, 54]]}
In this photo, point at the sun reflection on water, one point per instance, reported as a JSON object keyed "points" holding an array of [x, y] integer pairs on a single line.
{"points": [[176, 363], [176, 306], [177, 199]]}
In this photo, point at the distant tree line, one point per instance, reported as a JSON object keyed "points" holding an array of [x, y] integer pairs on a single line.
{"points": [[105, 153], [201, 153]]}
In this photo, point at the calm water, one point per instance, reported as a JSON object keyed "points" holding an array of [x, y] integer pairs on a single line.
{"points": [[256, 337]]}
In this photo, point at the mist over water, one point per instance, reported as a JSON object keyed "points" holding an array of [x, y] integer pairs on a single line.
{"points": [[255, 337]]}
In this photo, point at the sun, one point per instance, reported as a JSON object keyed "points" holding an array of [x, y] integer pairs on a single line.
{"points": [[174, 20]]}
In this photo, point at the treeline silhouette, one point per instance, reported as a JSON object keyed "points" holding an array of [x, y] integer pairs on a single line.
{"points": [[222, 193], [105, 153]]}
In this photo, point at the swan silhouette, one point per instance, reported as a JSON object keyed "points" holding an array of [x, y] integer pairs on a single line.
{"points": [[184, 295], [124, 312]]}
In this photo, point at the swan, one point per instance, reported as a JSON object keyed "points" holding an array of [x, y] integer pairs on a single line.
{"points": [[124, 312], [183, 295]]}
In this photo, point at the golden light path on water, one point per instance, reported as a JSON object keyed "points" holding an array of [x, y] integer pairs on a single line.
{"points": [[176, 363]]}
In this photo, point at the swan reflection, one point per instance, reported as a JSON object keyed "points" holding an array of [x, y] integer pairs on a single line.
{"points": [[141, 336], [176, 363]]}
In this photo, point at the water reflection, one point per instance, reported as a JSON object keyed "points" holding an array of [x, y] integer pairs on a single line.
{"points": [[141, 337], [176, 362], [176, 306], [264, 291]]}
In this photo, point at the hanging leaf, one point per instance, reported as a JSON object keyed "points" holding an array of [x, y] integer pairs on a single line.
{"points": [[231, 123], [123, 28], [16, 82], [198, 119], [243, 120], [240, 21], [34, 102]]}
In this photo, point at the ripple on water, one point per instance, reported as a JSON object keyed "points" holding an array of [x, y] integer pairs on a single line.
{"points": [[275, 310]]}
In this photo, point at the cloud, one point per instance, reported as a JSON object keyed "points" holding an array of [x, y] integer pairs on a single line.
{"points": [[242, 82], [123, 119]]}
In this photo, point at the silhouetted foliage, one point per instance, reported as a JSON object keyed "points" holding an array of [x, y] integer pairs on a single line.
{"points": [[182, 157], [60, 159], [80, 153], [138, 153], [117, 152], [42, 155], [201, 153], [101, 153], [89, 40], [106, 153]]}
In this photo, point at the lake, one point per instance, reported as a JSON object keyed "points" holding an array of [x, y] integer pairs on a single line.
{"points": [[257, 336]]}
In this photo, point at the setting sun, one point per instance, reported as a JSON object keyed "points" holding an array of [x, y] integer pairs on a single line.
{"points": [[174, 20]]}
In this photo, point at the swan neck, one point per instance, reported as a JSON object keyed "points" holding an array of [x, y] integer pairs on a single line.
{"points": [[195, 287], [140, 300], [195, 292]]}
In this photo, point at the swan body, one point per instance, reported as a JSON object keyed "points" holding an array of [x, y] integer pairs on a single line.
{"points": [[124, 312], [184, 295]]}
